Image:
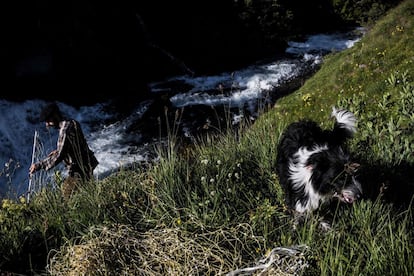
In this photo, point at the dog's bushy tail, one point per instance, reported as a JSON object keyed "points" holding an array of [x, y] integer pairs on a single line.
{"points": [[345, 125]]}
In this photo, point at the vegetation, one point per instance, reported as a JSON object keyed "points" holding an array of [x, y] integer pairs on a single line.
{"points": [[216, 207]]}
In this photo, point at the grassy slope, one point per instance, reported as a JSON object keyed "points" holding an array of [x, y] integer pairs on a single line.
{"points": [[217, 206], [363, 69], [374, 79]]}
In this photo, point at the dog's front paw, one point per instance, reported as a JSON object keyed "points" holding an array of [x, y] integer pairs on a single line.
{"points": [[325, 226]]}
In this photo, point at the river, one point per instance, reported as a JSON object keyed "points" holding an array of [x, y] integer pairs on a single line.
{"points": [[120, 139]]}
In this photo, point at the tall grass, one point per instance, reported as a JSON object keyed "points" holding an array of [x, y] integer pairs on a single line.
{"points": [[216, 207]]}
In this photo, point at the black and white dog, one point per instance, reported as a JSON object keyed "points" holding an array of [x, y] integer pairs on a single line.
{"points": [[313, 164]]}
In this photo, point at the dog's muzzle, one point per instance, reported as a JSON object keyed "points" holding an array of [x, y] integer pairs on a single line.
{"points": [[350, 193]]}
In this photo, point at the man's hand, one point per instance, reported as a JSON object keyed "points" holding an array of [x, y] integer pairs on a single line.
{"points": [[33, 168]]}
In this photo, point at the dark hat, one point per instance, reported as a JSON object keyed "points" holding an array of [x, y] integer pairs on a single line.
{"points": [[49, 111]]}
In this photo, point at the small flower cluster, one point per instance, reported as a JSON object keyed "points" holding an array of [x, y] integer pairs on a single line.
{"points": [[398, 29], [218, 175], [307, 99]]}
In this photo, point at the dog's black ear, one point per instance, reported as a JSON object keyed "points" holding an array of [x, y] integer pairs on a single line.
{"points": [[318, 161]]}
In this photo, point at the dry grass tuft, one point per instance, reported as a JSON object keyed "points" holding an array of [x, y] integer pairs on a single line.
{"points": [[170, 251]]}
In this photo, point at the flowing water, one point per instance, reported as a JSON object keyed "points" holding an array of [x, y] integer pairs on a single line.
{"points": [[121, 140]]}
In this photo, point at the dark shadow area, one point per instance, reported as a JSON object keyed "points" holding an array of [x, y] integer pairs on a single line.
{"points": [[395, 184]]}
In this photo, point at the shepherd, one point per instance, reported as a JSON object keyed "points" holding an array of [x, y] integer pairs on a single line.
{"points": [[72, 149]]}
